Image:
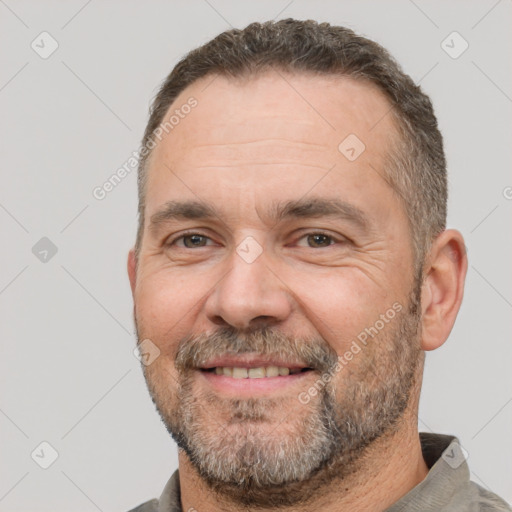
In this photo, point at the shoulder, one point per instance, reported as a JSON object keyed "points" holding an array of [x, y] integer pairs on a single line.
{"points": [[148, 506], [486, 501], [169, 499]]}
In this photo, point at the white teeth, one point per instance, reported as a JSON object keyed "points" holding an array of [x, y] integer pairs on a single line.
{"points": [[272, 371], [255, 373], [240, 373]]}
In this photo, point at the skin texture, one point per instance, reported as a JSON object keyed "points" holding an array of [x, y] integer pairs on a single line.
{"points": [[247, 146]]}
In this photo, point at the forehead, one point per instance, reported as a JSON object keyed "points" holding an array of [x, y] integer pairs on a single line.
{"points": [[272, 130], [320, 108]]}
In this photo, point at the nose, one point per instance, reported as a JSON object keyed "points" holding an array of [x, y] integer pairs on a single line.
{"points": [[250, 295]]}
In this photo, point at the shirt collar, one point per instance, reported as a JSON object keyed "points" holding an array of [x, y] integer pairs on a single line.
{"points": [[448, 471]]}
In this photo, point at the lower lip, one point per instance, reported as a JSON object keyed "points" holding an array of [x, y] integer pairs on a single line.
{"points": [[225, 384]]}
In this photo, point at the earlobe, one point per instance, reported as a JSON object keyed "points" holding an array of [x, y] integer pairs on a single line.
{"points": [[132, 269], [443, 288]]}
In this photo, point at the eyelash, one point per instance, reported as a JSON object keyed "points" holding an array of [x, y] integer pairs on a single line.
{"points": [[332, 238], [185, 235], [192, 233]]}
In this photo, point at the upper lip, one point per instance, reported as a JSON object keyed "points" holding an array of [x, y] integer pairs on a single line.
{"points": [[248, 361]]}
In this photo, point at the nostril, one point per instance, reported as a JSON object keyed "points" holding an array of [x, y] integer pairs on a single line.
{"points": [[262, 322]]}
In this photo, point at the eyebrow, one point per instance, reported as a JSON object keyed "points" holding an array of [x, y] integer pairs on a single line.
{"points": [[319, 207], [295, 209], [181, 210]]}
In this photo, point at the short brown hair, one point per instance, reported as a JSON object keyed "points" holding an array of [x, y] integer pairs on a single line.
{"points": [[415, 166]]}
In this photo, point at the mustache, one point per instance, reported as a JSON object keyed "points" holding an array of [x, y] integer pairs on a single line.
{"points": [[313, 352]]}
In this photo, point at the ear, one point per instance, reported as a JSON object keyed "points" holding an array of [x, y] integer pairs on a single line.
{"points": [[443, 287], [132, 270]]}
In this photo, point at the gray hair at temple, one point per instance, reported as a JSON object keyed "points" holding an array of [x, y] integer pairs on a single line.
{"points": [[415, 164]]}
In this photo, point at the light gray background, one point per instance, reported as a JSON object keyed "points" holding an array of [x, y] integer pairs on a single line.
{"points": [[68, 375]]}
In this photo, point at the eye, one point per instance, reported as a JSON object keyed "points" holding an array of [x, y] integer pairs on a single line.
{"points": [[190, 241], [318, 240]]}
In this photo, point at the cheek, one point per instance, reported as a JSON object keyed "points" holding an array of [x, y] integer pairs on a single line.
{"points": [[341, 304], [165, 307]]}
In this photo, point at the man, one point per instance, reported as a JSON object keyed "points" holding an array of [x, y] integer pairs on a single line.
{"points": [[291, 268]]}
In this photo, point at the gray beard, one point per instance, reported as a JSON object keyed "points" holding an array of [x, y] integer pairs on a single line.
{"points": [[263, 458]]}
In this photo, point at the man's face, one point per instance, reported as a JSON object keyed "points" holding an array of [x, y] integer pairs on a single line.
{"points": [[293, 255]]}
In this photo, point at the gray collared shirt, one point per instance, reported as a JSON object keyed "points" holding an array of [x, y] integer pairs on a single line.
{"points": [[447, 487]]}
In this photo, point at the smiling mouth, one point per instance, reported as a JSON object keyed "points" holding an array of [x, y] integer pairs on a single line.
{"points": [[262, 372]]}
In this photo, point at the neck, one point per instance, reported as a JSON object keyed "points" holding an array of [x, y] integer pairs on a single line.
{"points": [[389, 468]]}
